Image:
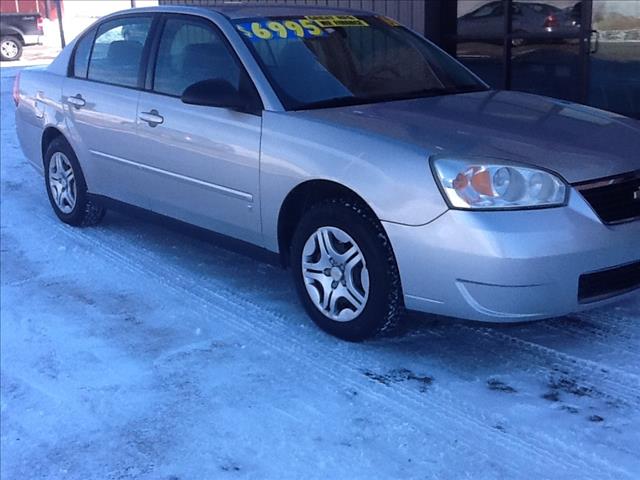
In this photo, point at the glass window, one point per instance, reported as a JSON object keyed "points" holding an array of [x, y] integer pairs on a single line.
{"points": [[545, 49], [615, 57], [551, 69], [480, 27], [545, 20], [480, 19], [81, 56], [350, 60], [548, 63], [485, 11], [191, 51], [485, 58], [117, 51]]}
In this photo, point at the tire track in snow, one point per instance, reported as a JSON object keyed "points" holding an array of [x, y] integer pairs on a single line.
{"points": [[545, 448], [617, 324], [625, 387], [550, 364], [615, 315], [599, 336], [596, 377], [294, 351]]}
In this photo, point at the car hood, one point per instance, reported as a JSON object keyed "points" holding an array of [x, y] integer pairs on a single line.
{"points": [[578, 142]]}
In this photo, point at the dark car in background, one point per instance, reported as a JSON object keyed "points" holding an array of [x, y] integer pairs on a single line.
{"points": [[566, 21], [527, 18], [18, 30]]}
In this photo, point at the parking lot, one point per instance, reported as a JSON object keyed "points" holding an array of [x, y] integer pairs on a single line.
{"points": [[133, 350]]}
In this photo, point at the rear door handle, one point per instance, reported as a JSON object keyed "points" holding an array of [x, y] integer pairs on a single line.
{"points": [[153, 118], [77, 101]]}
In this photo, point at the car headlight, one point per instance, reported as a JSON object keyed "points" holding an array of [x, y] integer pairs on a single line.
{"points": [[478, 184]]}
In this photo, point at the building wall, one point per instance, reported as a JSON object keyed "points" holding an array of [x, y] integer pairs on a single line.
{"points": [[409, 12], [25, 6]]}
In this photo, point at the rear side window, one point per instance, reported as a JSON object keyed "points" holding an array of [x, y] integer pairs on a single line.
{"points": [[191, 51], [117, 51], [81, 55]]}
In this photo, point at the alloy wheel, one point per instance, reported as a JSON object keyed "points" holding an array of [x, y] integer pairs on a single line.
{"points": [[335, 274], [62, 182], [9, 49]]}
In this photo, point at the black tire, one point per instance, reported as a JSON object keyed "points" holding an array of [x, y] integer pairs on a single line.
{"points": [[15, 41], [86, 212], [384, 308]]}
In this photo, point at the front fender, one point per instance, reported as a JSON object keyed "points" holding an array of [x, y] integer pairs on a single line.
{"points": [[392, 177]]}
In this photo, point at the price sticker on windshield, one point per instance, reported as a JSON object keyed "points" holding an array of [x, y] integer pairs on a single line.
{"points": [[280, 29], [335, 21]]}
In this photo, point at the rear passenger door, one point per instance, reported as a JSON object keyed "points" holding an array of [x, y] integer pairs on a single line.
{"points": [[199, 164], [100, 98]]}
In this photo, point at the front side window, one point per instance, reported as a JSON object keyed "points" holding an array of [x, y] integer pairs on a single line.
{"points": [[117, 51], [320, 61], [191, 51]]}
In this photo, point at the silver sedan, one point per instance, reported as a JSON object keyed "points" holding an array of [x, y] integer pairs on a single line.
{"points": [[385, 174]]}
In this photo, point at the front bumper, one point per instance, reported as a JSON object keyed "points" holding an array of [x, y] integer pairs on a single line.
{"points": [[508, 266]]}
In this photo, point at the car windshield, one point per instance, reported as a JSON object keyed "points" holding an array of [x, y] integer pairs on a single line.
{"points": [[335, 60]]}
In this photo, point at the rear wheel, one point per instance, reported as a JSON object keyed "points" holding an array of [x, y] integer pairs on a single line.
{"points": [[10, 48], [345, 271], [66, 187]]}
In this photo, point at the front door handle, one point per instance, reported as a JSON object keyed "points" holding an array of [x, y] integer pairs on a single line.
{"points": [[77, 101], [153, 118]]}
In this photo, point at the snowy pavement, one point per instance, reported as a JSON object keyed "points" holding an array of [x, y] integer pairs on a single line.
{"points": [[132, 350]]}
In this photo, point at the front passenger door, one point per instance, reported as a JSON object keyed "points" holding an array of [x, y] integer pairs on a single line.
{"points": [[200, 164]]}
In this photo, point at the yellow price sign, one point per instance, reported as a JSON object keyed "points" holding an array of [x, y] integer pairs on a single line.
{"points": [[270, 29], [334, 21]]}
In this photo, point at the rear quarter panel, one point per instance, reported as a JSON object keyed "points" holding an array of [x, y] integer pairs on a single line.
{"points": [[40, 107]]}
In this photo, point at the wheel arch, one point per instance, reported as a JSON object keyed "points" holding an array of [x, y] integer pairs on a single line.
{"points": [[49, 135], [10, 31], [299, 199]]}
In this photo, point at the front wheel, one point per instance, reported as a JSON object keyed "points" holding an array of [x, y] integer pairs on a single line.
{"points": [[345, 271], [66, 187], [10, 48]]}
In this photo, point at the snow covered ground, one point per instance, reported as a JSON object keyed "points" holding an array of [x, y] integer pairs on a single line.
{"points": [[132, 350]]}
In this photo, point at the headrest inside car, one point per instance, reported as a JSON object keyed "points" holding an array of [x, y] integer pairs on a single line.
{"points": [[124, 52]]}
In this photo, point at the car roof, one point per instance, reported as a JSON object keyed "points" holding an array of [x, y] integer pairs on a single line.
{"points": [[237, 10], [241, 10]]}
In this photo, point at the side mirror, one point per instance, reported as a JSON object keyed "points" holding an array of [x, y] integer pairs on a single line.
{"points": [[214, 93]]}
